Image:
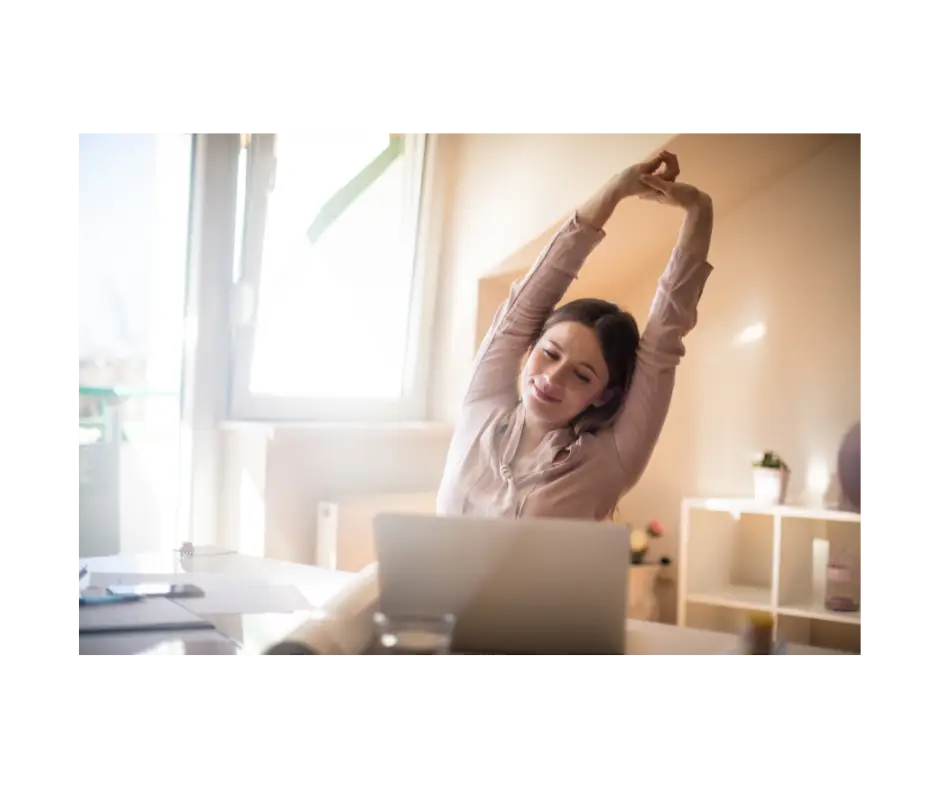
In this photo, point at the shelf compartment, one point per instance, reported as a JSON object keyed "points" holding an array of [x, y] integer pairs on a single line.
{"points": [[716, 618], [742, 506], [729, 557], [842, 635], [804, 554], [820, 612], [739, 597]]}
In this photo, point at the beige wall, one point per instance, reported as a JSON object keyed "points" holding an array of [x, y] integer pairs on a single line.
{"points": [[786, 254]]}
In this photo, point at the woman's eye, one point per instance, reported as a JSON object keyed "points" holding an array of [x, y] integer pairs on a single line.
{"points": [[582, 378], [550, 353]]}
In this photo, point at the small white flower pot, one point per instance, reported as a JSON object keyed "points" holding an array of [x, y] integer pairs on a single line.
{"points": [[770, 485]]}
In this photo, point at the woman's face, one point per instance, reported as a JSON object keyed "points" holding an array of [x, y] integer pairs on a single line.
{"points": [[564, 374]]}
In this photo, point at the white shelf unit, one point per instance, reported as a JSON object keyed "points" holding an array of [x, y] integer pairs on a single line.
{"points": [[738, 555]]}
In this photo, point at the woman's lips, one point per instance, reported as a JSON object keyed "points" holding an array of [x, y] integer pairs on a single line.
{"points": [[542, 396]]}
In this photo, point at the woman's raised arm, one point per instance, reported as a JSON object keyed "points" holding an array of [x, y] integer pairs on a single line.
{"points": [[672, 316], [519, 320]]}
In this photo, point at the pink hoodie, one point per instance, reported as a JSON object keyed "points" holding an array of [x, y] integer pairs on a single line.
{"points": [[579, 477]]}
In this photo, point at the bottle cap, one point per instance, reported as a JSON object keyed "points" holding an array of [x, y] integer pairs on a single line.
{"points": [[758, 633], [761, 619]]}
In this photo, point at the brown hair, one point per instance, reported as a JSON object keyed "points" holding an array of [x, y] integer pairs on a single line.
{"points": [[618, 335]]}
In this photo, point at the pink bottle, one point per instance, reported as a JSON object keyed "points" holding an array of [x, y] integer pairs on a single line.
{"points": [[843, 587]]}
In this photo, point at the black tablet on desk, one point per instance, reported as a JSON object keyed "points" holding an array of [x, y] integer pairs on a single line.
{"points": [[168, 590], [149, 614]]}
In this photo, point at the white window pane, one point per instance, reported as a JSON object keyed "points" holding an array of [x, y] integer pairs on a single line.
{"points": [[333, 316], [134, 222]]}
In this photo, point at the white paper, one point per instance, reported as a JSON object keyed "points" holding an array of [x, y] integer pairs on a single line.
{"points": [[250, 597]]}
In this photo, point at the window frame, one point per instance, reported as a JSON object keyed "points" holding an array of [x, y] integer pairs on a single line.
{"points": [[420, 152]]}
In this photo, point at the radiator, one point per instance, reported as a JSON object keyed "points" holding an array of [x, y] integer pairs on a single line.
{"points": [[344, 527]]}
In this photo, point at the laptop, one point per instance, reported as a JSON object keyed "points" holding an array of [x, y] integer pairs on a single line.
{"points": [[515, 586]]}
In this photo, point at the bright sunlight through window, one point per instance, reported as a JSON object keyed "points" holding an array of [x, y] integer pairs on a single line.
{"points": [[333, 306]]}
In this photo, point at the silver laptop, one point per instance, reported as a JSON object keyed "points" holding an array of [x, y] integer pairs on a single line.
{"points": [[515, 586]]}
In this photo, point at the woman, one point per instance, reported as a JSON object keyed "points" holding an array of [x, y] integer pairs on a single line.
{"points": [[576, 431]]}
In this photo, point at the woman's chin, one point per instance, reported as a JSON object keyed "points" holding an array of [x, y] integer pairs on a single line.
{"points": [[543, 411]]}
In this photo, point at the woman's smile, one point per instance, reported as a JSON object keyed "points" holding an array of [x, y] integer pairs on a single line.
{"points": [[543, 395]]}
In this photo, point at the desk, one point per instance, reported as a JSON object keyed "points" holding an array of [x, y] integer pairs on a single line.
{"points": [[249, 633], [238, 589]]}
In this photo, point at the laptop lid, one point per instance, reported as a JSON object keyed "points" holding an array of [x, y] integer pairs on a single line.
{"points": [[515, 586]]}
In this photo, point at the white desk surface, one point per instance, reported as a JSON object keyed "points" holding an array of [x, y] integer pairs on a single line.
{"points": [[253, 602]]}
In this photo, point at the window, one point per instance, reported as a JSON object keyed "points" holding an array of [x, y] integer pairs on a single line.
{"points": [[329, 287], [134, 222]]}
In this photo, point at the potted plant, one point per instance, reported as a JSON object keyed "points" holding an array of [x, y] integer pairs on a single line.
{"points": [[771, 476], [640, 540]]}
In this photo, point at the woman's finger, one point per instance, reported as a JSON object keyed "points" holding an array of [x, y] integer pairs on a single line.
{"points": [[652, 164], [671, 172]]}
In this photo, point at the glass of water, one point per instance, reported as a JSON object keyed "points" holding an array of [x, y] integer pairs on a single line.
{"points": [[413, 633]]}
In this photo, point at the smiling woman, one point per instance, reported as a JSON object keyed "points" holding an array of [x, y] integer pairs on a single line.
{"points": [[585, 361]]}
